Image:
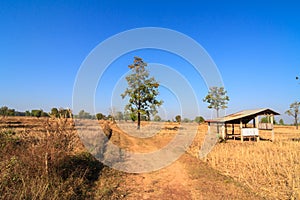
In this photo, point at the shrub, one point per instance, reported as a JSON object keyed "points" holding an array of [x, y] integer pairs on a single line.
{"points": [[157, 118], [178, 118], [100, 116], [45, 166], [199, 119]]}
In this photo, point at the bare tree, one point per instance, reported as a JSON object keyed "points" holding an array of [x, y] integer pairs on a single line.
{"points": [[294, 111]]}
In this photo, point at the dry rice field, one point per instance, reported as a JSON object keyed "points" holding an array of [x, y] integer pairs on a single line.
{"points": [[271, 169], [33, 149]]}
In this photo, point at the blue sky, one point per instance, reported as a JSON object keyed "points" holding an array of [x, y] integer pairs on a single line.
{"points": [[255, 45]]}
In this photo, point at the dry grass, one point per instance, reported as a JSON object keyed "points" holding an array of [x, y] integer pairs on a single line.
{"points": [[271, 169], [44, 159], [41, 160]]}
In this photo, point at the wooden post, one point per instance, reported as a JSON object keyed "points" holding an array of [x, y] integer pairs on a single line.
{"points": [[232, 131], [256, 126], [256, 122], [226, 131], [223, 131], [241, 126], [272, 127]]}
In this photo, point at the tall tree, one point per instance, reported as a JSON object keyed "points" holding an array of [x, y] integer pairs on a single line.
{"points": [[217, 98], [294, 111], [142, 91]]}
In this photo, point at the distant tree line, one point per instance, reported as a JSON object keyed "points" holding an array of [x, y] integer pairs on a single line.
{"points": [[57, 113], [61, 113], [5, 111], [126, 116], [67, 113], [267, 119], [198, 119]]}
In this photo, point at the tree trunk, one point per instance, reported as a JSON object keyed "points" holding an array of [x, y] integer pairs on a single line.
{"points": [[296, 121], [139, 121], [148, 115], [139, 115]]}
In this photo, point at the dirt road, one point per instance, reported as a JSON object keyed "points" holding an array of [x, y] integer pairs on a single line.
{"points": [[186, 178]]}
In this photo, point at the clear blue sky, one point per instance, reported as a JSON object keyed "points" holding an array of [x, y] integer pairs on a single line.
{"points": [[255, 45]]}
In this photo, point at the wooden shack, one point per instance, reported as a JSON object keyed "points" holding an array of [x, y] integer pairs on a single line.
{"points": [[243, 120]]}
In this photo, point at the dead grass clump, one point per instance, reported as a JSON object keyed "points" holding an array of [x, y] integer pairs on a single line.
{"points": [[45, 165], [107, 130]]}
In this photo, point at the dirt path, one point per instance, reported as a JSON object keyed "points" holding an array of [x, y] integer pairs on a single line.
{"points": [[168, 183], [186, 178]]}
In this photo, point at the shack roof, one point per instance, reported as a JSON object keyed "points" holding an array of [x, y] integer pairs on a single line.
{"points": [[245, 116]]}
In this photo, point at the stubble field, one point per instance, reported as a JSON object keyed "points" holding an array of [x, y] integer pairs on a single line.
{"points": [[45, 159]]}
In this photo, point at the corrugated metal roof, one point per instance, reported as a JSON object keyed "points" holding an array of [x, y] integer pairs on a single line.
{"points": [[245, 115]]}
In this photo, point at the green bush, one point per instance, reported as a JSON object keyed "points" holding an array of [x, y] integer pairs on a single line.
{"points": [[178, 118], [100, 116], [36, 113], [199, 119]]}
